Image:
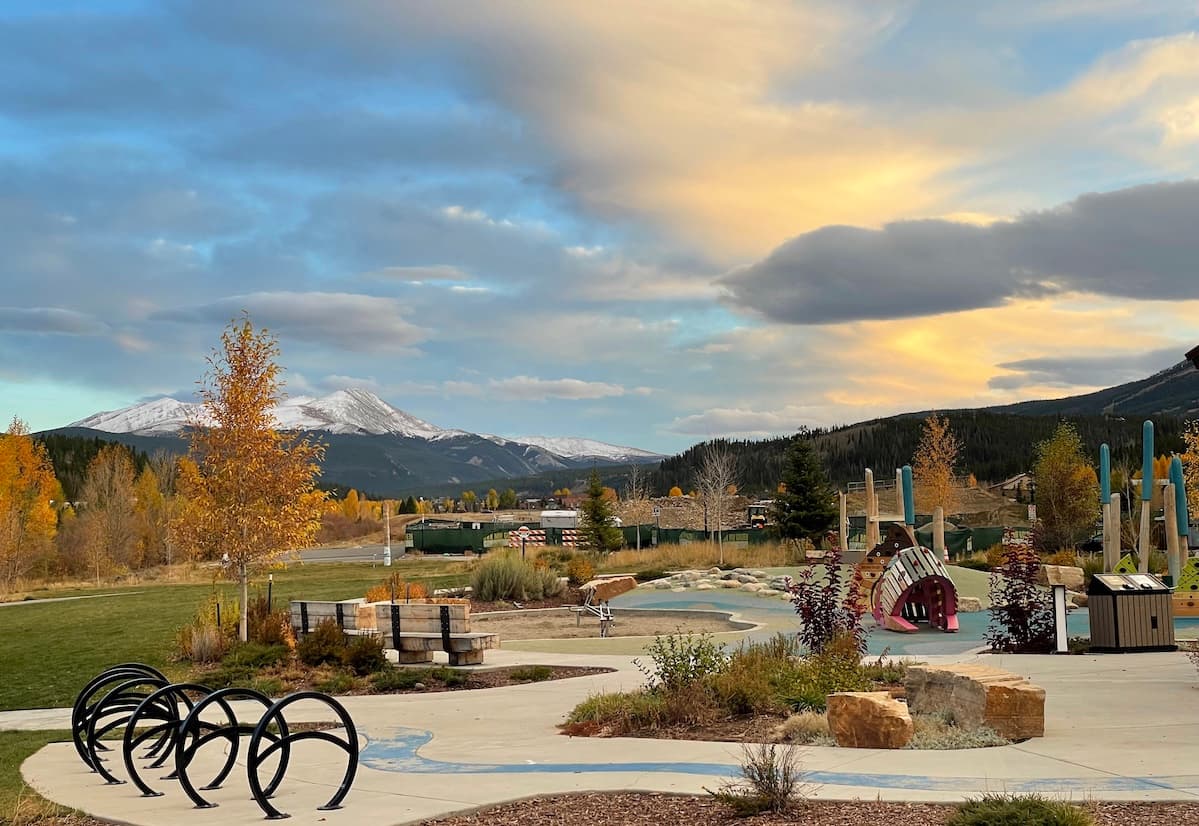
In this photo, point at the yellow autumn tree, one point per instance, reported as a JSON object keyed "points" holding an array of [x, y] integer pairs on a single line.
{"points": [[249, 490], [675, 491], [29, 492], [932, 466], [1190, 466], [350, 506], [107, 512]]}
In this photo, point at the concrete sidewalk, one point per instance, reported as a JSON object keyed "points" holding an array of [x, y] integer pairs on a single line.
{"points": [[1117, 728]]}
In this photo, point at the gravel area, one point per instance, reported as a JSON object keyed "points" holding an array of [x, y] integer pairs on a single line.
{"points": [[563, 624], [641, 809]]}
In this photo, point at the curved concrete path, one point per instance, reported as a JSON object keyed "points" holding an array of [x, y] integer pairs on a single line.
{"points": [[1117, 727]]}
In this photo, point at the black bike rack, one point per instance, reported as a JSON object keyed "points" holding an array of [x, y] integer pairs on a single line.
{"points": [[165, 719]]}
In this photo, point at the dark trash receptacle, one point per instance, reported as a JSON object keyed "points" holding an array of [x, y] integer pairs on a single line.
{"points": [[1130, 612]]}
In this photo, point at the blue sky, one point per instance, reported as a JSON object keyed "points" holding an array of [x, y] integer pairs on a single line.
{"points": [[649, 226]]}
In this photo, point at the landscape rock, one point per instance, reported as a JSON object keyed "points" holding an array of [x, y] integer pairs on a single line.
{"points": [[1069, 575], [678, 589], [609, 587], [1079, 599], [705, 586], [768, 592], [758, 574], [714, 572], [969, 605], [752, 586], [868, 720], [662, 584], [729, 583], [745, 578], [979, 695]]}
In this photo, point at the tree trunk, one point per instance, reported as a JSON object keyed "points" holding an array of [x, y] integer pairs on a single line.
{"points": [[243, 626]]}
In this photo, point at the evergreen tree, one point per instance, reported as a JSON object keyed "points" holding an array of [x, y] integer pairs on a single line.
{"points": [[804, 508], [595, 518]]}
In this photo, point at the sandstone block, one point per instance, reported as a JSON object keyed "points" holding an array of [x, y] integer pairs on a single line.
{"points": [[868, 720], [979, 695], [969, 605], [1068, 575], [729, 583], [752, 586], [606, 589], [705, 586]]}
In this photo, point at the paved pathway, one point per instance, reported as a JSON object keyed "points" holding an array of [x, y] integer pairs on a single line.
{"points": [[1117, 727], [66, 599]]}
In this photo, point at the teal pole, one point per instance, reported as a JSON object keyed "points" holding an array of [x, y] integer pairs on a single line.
{"points": [[1105, 474], [1147, 462], [909, 497], [1180, 497]]}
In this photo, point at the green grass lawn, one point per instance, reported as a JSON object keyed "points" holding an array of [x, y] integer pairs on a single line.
{"points": [[19, 803], [49, 651]]}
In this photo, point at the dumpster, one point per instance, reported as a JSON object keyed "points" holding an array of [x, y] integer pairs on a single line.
{"points": [[1130, 612]]}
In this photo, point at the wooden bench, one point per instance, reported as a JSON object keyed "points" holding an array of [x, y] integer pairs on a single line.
{"points": [[414, 629]]}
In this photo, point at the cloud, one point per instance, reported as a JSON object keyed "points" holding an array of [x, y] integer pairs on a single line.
{"points": [[1137, 243], [735, 421], [1084, 371], [418, 274], [336, 382], [346, 320], [49, 320], [528, 388]]}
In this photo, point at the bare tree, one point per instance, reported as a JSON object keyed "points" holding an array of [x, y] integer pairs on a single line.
{"points": [[717, 474]]}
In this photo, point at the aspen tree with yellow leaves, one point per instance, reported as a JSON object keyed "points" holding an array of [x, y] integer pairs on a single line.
{"points": [[29, 492], [249, 490], [932, 466]]}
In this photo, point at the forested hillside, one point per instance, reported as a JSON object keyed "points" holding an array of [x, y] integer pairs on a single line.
{"points": [[994, 447]]}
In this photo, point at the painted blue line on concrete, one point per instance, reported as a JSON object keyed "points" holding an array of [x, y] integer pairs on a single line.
{"points": [[400, 753]]}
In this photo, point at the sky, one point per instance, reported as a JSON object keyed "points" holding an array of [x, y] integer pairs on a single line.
{"points": [[646, 223]]}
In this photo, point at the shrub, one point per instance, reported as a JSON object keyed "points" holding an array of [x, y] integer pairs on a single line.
{"points": [[1021, 810], [399, 679], [622, 711], [532, 673], [828, 607], [677, 660], [244, 664], [1021, 611], [396, 586], [757, 676], [885, 671], [974, 563], [939, 731], [1091, 565], [771, 780], [201, 643], [264, 625], [337, 683], [837, 668], [579, 570], [804, 728], [364, 655], [996, 554], [324, 644], [449, 676], [270, 686], [506, 576], [1065, 556], [649, 574]]}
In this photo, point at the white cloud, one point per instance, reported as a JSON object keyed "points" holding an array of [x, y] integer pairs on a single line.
{"points": [[736, 421], [50, 320], [529, 388], [348, 321]]}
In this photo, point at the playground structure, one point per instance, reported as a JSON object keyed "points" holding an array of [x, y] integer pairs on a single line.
{"points": [[1183, 570], [902, 582]]}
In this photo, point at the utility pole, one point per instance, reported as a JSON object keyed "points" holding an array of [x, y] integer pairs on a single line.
{"points": [[387, 534]]}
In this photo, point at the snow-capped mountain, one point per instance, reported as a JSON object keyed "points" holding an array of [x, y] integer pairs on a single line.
{"points": [[344, 411], [362, 413], [576, 448]]}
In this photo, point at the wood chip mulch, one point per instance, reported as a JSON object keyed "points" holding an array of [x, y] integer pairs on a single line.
{"points": [[644, 809]]}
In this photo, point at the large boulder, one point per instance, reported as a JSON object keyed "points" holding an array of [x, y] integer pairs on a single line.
{"points": [[1069, 575], [609, 587], [978, 695], [868, 720]]}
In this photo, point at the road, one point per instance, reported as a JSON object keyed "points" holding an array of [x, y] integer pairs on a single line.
{"points": [[357, 553]]}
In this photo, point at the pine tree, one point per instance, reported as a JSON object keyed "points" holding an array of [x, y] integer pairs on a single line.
{"points": [[804, 509], [595, 518]]}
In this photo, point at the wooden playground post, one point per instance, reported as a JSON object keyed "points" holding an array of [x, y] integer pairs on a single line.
{"points": [[939, 532], [1170, 522], [899, 500], [1111, 551], [873, 537]]}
